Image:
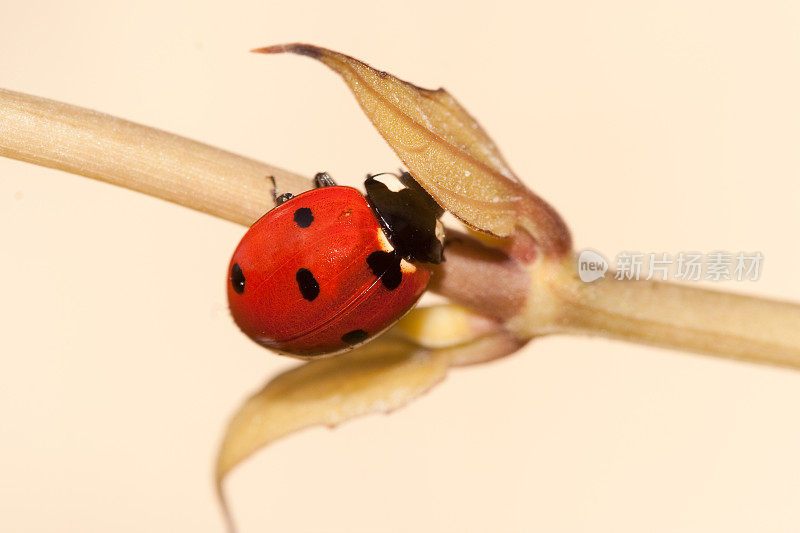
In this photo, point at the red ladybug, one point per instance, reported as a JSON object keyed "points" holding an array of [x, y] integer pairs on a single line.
{"points": [[326, 270]]}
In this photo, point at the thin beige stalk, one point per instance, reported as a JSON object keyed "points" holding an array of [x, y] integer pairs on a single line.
{"points": [[671, 315], [99, 146], [236, 188], [689, 318]]}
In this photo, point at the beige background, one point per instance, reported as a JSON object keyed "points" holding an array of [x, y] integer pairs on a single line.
{"points": [[652, 127]]}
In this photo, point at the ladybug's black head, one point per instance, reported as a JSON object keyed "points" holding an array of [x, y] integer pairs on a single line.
{"points": [[408, 215]]}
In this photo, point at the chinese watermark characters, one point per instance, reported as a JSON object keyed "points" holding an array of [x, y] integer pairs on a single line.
{"points": [[683, 266]]}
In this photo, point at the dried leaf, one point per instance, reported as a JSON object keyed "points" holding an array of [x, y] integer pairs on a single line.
{"points": [[446, 150], [377, 377]]}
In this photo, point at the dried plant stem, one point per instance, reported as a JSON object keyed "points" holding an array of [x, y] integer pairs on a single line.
{"points": [[689, 318], [96, 145], [671, 315], [235, 188]]}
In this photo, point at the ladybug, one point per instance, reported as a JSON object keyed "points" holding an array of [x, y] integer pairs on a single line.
{"points": [[328, 269]]}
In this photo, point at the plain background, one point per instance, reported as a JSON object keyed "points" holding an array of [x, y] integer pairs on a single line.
{"points": [[651, 127]]}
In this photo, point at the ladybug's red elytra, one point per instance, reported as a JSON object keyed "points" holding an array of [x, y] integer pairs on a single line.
{"points": [[329, 268]]}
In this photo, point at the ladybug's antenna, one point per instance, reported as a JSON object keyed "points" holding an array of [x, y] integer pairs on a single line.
{"points": [[274, 189]]}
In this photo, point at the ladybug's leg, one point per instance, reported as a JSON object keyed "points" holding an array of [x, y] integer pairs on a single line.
{"points": [[323, 179], [279, 199]]}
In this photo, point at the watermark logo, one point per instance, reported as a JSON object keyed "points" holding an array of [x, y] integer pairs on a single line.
{"points": [[591, 266], [684, 266]]}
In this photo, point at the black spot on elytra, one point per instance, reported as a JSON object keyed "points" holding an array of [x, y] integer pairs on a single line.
{"points": [[355, 336], [303, 217], [386, 266], [237, 278], [308, 286]]}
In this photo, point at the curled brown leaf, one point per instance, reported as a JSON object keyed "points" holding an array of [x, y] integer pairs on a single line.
{"points": [[446, 150], [375, 378]]}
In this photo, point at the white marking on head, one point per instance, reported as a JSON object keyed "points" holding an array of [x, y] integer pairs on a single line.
{"points": [[406, 267], [391, 181], [383, 241], [439, 231]]}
